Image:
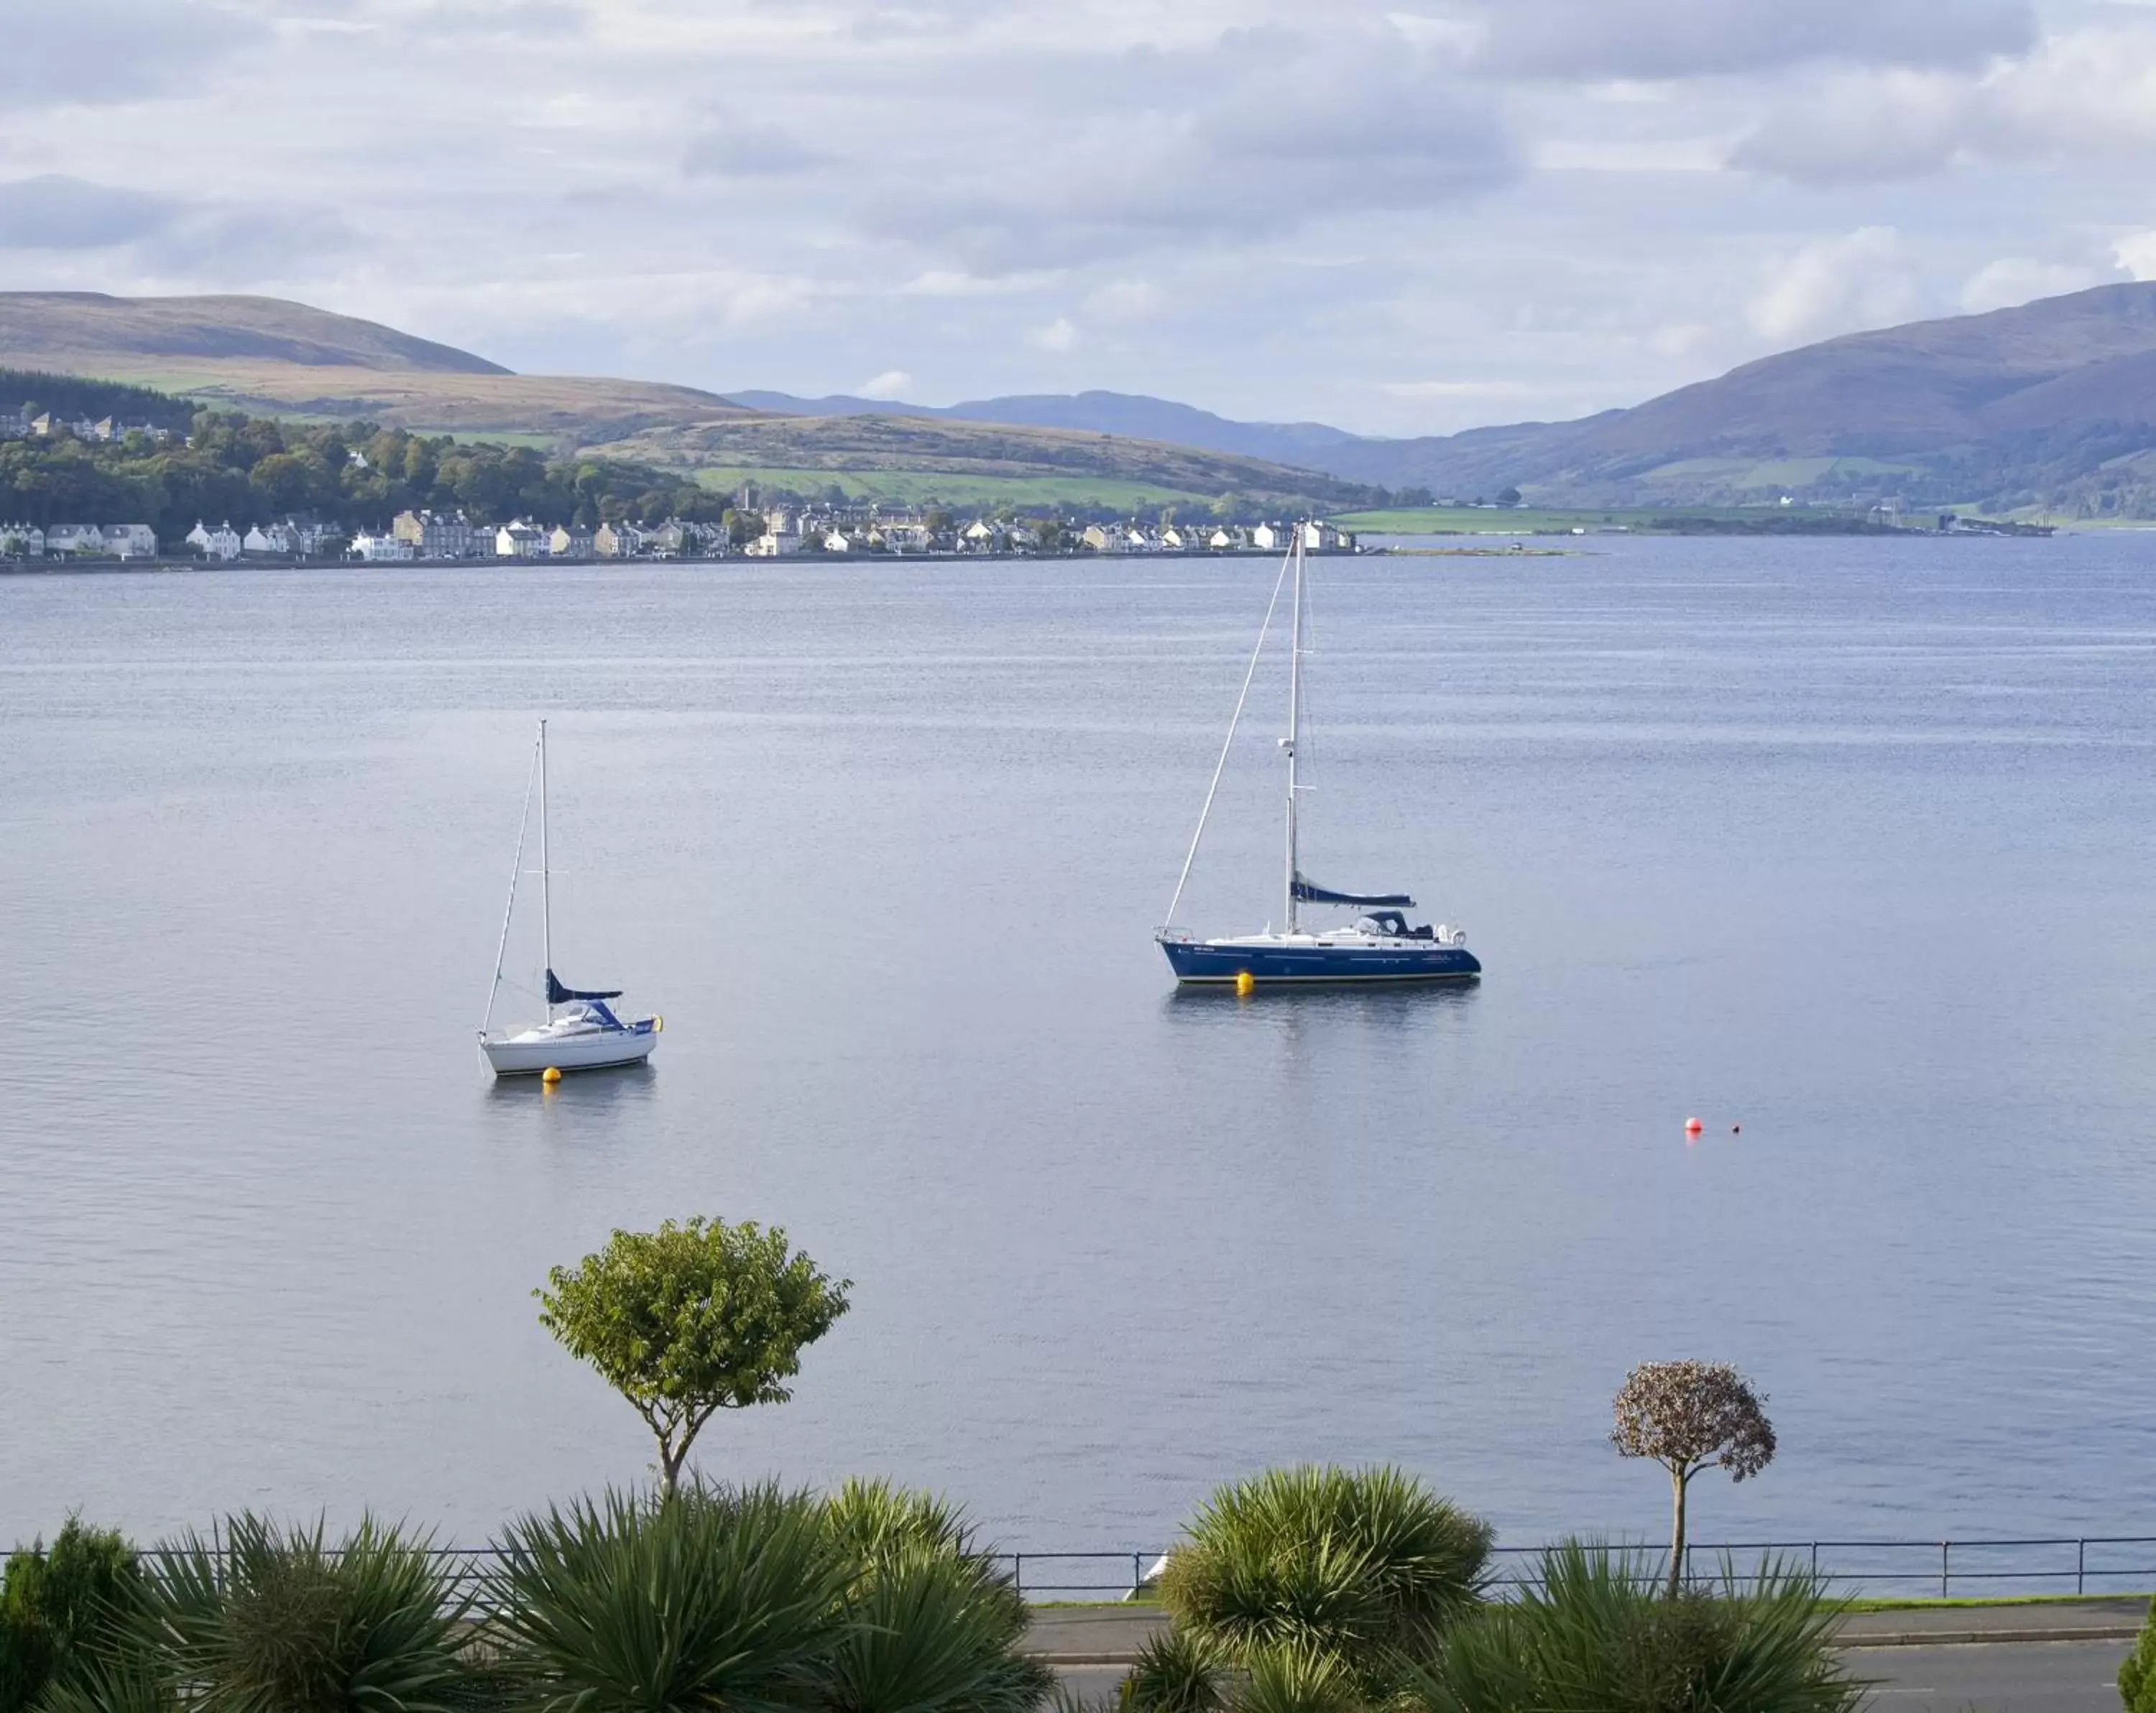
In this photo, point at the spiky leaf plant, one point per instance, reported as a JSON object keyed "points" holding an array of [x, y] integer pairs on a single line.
{"points": [[1598, 1637], [265, 1620], [926, 1634], [1176, 1671], [1296, 1679], [1366, 1565], [930, 1623], [703, 1599]]}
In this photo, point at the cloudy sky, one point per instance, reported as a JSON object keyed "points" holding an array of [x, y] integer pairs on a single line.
{"points": [[1401, 218]]}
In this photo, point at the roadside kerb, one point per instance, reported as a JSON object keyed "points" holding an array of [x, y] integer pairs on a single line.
{"points": [[1108, 1636]]}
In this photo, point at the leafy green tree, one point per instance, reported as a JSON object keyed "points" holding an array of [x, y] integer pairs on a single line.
{"points": [[58, 1607], [692, 1319]]}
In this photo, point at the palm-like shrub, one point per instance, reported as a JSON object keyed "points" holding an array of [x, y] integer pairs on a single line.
{"points": [[1176, 1671], [262, 1620], [2136, 1673], [1367, 1567], [648, 1603], [759, 1600], [930, 1623], [59, 1607], [1599, 1637]]}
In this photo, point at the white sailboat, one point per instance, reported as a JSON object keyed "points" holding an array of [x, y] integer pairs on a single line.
{"points": [[581, 1031]]}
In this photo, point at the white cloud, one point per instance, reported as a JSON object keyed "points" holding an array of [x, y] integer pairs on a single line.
{"points": [[891, 383], [1122, 303], [2011, 281], [1833, 285], [1060, 335]]}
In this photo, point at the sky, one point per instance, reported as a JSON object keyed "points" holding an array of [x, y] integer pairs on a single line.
{"points": [[1401, 220]]}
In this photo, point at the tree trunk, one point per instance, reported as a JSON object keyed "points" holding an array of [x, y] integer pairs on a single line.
{"points": [[1679, 1481], [669, 1468]]}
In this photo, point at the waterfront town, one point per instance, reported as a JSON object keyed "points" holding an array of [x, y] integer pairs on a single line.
{"points": [[430, 537]]}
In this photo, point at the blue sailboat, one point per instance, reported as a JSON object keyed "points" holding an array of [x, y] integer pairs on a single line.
{"points": [[1377, 943]]}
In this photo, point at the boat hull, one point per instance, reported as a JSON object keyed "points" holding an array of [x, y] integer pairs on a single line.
{"points": [[596, 1051], [1293, 963]]}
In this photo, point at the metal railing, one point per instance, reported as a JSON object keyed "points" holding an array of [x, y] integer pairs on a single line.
{"points": [[2081, 1564]]}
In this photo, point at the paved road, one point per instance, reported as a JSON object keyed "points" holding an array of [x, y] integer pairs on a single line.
{"points": [[1994, 1677]]}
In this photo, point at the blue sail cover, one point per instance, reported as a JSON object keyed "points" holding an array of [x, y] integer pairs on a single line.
{"points": [[1305, 893], [557, 994]]}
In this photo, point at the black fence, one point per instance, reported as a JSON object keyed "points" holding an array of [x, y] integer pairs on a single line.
{"points": [[2089, 1565]]}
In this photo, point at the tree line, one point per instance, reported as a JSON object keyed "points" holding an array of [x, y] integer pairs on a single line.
{"points": [[240, 468]]}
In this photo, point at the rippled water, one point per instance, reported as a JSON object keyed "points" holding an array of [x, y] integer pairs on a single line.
{"points": [[1847, 843]]}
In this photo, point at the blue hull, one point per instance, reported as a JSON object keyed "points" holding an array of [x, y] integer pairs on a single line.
{"points": [[1193, 961]]}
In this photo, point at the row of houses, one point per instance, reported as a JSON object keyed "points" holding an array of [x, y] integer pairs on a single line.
{"points": [[44, 425], [78, 541], [427, 535], [786, 534]]}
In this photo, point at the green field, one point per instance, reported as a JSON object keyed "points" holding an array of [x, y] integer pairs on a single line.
{"points": [[917, 487], [1545, 520]]}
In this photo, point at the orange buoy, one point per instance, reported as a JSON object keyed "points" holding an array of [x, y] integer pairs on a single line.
{"points": [[1693, 1126]]}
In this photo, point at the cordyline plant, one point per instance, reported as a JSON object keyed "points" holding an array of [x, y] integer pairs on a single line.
{"points": [[690, 1320], [1688, 1416]]}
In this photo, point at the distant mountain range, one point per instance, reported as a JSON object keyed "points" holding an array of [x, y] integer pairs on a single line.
{"points": [[268, 356], [2052, 403]]}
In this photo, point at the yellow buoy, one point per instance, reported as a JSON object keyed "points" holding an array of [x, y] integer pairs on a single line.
{"points": [[553, 1074], [1245, 981]]}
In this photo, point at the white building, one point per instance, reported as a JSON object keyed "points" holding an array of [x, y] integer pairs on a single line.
{"points": [[130, 540], [222, 543], [74, 539], [380, 549], [518, 541], [1270, 538], [22, 541], [1220, 538], [780, 540]]}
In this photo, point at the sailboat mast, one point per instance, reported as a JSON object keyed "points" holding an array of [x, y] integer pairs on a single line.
{"points": [[1294, 718], [546, 883]]}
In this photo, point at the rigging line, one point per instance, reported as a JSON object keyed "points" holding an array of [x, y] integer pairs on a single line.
{"points": [[509, 910], [1227, 743]]}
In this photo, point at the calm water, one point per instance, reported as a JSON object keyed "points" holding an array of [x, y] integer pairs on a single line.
{"points": [[1848, 843]]}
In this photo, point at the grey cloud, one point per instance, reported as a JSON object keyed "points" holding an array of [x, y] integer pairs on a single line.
{"points": [[57, 213], [1171, 149], [99, 51], [1652, 39], [749, 152]]}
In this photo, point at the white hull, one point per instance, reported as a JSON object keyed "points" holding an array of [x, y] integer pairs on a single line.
{"points": [[532, 1051]]}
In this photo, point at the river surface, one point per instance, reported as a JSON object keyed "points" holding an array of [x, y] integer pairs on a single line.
{"points": [[1851, 843]]}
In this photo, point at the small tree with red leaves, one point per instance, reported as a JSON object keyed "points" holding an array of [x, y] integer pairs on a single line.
{"points": [[1687, 1416]]}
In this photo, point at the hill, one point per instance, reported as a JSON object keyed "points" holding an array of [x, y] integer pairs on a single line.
{"points": [[1014, 452], [266, 355], [2050, 405], [1131, 414]]}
